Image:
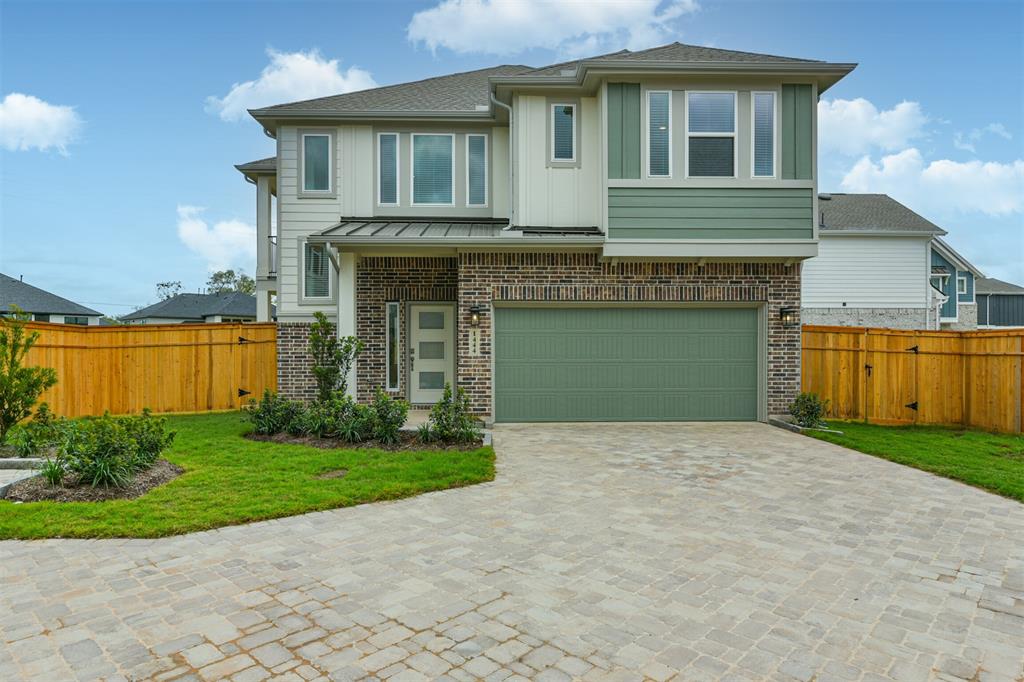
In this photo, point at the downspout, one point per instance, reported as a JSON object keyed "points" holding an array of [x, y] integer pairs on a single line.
{"points": [[511, 162]]}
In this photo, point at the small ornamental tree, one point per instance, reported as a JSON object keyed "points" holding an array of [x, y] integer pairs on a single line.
{"points": [[20, 386], [333, 357]]}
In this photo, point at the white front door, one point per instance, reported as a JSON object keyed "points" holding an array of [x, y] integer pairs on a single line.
{"points": [[431, 351]]}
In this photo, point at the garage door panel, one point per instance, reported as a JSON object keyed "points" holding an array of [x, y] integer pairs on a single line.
{"points": [[570, 364]]}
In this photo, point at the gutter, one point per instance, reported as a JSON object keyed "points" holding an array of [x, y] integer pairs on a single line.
{"points": [[511, 162]]}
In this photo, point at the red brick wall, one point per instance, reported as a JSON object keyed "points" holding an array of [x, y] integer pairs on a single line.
{"points": [[294, 378], [488, 277]]}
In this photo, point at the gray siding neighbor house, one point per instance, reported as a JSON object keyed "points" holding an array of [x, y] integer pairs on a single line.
{"points": [[1000, 304], [198, 309], [42, 305], [617, 237]]}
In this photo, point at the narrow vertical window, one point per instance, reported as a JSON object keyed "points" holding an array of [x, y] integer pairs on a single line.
{"points": [[317, 275], [476, 170], [711, 134], [387, 166], [659, 134], [563, 132], [764, 134], [432, 169], [392, 346], [316, 162]]}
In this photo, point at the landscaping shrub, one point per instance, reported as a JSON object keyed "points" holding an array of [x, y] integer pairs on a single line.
{"points": [[109, 451], [41, 433], [20, 387], [53, 470], [332, 358], [389, 414], [450, 420], [808, 410], [273, 413], [150, 435]]}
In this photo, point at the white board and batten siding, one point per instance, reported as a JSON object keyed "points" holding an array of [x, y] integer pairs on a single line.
{"points": [[867, 272], [556, 197]]}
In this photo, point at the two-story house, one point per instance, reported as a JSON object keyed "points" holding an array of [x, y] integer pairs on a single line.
{"points": [[613, 238]]}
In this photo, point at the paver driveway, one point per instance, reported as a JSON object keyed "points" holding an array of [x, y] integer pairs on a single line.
{"points": [[711, 551]]}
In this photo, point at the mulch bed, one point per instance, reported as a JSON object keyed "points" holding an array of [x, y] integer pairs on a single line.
{"points": [[408, 440], [37, 489]]}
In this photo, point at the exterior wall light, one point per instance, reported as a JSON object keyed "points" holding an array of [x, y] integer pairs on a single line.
{"points": [[474, 316], [790, 317]]}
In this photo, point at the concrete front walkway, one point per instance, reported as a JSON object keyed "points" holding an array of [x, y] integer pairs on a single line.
{"points": [[601, 551]]}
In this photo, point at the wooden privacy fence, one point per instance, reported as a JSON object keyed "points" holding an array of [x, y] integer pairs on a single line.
{"points": [[167, 368], [892, 376]]}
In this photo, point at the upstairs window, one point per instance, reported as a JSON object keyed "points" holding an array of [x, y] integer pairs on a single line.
{"points": [[316, 272], [961, 285], [387, 169], [764, 134], [476, 170], [659, 134], [563, 132], [432, 170], [711, 134], [316, 162]]}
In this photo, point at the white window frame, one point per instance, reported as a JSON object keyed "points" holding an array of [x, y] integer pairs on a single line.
{"points": [[775, 135], [733, 134], [959, 279], [398, 170], [412, 168], [487, 170], [330, 274], [330, 163], [387, 344], [551, 117], [647, 134]]}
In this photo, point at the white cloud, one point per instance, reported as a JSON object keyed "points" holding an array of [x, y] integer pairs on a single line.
{"points": [[574, 28], [228, 243], [290, 77], [966, 142], [27, 122], [943, 186], [854, 127]]}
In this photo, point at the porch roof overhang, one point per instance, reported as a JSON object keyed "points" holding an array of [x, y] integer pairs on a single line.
{"points": [[450, 233]]}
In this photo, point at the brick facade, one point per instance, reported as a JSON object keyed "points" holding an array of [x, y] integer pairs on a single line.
{"points": [[294, 378]]}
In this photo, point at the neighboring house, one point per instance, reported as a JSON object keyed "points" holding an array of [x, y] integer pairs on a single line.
{"points": [[1000, 304], [42, 305], [612, 238], [198, 309], [879, 264], [954, 277]]}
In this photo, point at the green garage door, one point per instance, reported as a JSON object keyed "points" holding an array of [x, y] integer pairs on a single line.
{"points": [[625, 364]]}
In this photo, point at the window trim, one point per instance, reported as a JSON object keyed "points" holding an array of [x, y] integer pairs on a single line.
{"points": [[330, 192], [647, 137], [959, 279], [734, 135], [398, 170], [487, 170], [775, 135], [412, 168], [387, 345], [551, 119], [302, 274]]}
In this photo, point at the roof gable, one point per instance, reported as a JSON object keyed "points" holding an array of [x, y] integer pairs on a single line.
{"points": [[871, 213], [991, 285]]}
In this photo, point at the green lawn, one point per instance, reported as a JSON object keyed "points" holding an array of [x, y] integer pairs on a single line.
{"points": [[229, 480], [992, 461]]}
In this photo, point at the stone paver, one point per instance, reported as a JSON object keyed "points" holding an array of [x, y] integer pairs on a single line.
{"points": [[601, 552]]}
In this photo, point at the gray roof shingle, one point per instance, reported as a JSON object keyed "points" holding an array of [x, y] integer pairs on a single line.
{"points": [[991, 285], [14, 292], [267, 165], [870, 212], [199, 306]]}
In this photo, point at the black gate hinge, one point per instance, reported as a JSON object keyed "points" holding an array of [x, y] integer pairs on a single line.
{"points": [[242, 339], [912, 405], [913, 349], [242, 393]]}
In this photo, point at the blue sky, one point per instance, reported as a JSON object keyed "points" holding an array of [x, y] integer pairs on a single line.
{"points": [[119, 120]]}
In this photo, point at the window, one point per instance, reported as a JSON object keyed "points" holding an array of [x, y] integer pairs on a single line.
{"points": [[387, 169], [961, 285], [432, 169], [659, 134], [476, 170], [317, 273], [392, 346], [316, 162], [41, 317], [563, 132], [764, 134], [74, 319], [711, 134]]}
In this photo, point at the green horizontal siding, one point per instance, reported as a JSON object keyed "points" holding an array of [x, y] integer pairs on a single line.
{"points": [[797, 132], [712, 213], [625, 364], [624, 130]]}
